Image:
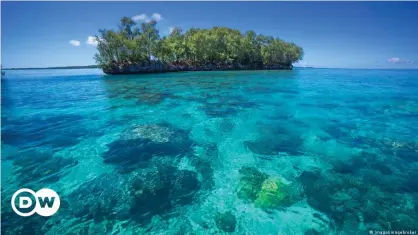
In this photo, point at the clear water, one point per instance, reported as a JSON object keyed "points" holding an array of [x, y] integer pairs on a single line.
{"points": [[345, 140]]}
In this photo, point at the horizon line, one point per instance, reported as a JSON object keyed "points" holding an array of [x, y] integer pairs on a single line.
{"points": [[96, 66]]}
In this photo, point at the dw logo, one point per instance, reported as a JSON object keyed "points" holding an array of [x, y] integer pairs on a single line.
{"points": [[47, 202]]}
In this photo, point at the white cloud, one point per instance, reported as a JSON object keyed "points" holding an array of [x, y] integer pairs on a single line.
{"points": [[144, 18], [397, 60], [394, 60], [157, 17], [75, 43], [92, 41], [171, 29]]}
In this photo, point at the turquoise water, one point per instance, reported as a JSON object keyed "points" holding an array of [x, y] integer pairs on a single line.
{"points": [[166, 154]]}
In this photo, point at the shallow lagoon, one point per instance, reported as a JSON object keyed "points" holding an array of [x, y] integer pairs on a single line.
{"points": [[165, 154]]}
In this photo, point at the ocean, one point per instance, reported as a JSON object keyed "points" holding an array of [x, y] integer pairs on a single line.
{"points": [[308, 151]]}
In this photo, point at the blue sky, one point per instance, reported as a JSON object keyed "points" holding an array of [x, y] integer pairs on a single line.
{"points": [[333, 34]]}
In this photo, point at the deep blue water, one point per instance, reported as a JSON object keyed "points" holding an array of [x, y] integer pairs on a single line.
{"points": [[167, 154]]}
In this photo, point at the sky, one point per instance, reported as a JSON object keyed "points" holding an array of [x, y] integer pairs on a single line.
{"points": [[332, 34]]}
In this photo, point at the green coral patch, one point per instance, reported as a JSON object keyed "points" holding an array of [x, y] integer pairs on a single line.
{"points": [[226, 221], [250, 183], [264, 191], [272, 194]]}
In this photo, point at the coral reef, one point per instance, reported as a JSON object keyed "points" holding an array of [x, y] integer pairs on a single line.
{"points": [[250, 183], [226, 221], [156, 190], [276, 138], [159, 133], [34, 167], [138, 145], [264, 191], [162, 189], [43, 131], [272, 194], [354, 198], [103, 198]]}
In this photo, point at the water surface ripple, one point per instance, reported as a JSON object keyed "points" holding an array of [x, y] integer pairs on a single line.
{"points": [[309, 151]]}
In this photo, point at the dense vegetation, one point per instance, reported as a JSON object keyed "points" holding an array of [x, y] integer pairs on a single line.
{"points": [[142, 45]]}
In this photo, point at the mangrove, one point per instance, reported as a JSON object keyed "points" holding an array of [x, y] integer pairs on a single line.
{"points": [[139, 48]]}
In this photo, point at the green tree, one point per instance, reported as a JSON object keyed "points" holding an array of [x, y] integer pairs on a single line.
{"points": [[141, 44], [149, 38]]}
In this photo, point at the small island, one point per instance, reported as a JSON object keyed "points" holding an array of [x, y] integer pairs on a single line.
{"points": [[139, 48]]}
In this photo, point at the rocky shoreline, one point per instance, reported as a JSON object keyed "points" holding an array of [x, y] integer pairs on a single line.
{"points": [[123, 69]]}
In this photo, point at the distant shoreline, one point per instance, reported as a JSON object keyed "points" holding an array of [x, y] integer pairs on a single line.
{"points": [[294, 67], [61, 67]]}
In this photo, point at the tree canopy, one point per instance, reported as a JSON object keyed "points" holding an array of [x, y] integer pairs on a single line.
{"points": [[142, 44]]}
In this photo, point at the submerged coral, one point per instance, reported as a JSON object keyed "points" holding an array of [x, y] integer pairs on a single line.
{"points": [[150, 98], [140, 196], [219, 109], [264, 191], [41, 167], [250, 183], [103, 198], [138, 145], [205, 170], [272, 194], [226, 221], [276, 139], [362, 199], [159, 190], [160, 133], [358, 166], [44, 132], [12, 224], [223, 105]]}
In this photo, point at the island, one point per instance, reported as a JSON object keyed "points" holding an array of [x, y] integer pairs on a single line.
{"points": [[139, 48]]}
